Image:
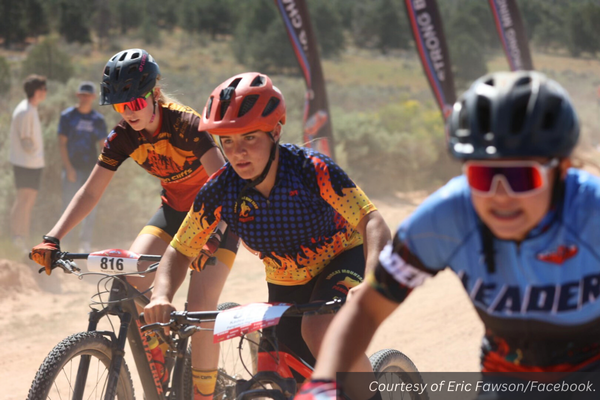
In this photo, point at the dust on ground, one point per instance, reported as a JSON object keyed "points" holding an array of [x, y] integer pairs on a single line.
{"points": [[437, 327]]}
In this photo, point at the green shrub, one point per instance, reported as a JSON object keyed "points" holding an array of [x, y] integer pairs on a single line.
{"points": [[49, 60], [399, 148], [4, 75]]}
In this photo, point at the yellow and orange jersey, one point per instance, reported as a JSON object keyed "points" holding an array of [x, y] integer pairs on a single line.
{"points": [[172, 153], [309, 218]]}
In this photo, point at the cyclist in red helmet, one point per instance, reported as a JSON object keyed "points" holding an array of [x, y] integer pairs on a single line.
{"points": [[162, 136], [313, 228]]}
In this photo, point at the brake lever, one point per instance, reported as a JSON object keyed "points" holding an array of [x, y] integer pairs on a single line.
{"points": [[68, 267], [155, 325]]}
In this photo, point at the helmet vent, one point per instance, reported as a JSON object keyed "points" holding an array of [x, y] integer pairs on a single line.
{"points": [[113, 59], [551, 112], [234, 84], [132, 69], [117, 73], [135, 55], [247, 104], [127, 87], [484, 114], [519, 112], [106, 70], [489, 82], [123, 56], [258, 81], [526, 80], [463, 117], [143, 79], [210, 101], [271, 105]]}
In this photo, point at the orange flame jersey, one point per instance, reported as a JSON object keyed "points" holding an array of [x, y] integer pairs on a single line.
{"points": [[172, 153], [309, 218]]}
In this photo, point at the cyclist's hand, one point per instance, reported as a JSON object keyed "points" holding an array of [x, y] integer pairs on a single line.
{"points": [[158, 310], [44, 253], [206, 256], [320, 389]]}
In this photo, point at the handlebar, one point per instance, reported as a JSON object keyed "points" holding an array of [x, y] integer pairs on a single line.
{"points": [[64, 261], [182, 319]]}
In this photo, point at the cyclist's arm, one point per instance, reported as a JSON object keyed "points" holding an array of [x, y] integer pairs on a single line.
{"points": [[83, 202], [170, 274], [376, 234], [351, 331], [212, 160]]}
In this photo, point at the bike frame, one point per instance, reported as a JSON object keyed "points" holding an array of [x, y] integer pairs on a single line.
{"points": [[122, 303], [276, 365]]}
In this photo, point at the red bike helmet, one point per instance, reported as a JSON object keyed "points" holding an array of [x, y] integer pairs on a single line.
{"points": [[244, 103]]}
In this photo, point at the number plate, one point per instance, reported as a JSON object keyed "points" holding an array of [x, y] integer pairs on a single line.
{"points": [[240, 320], [113, 261]]}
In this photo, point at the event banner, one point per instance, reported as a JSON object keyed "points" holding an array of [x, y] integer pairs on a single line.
{"points": [[512, 34], [426, 26], [317, 120]]}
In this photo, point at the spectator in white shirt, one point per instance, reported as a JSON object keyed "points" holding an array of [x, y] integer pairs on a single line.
{"points": [[27, 158]]}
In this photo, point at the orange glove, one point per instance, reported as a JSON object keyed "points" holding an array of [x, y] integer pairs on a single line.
{"points": [[206, 256], [45, 252]]}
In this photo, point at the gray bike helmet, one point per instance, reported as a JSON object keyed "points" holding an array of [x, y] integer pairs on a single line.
{"points": [[512, 114], [128, 75]]}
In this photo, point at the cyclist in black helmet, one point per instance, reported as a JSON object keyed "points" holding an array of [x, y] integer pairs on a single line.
{"points": [[162, 136], [519, 227]]}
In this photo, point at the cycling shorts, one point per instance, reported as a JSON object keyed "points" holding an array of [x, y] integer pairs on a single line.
{"points": [[337, 278], [165, 223]]}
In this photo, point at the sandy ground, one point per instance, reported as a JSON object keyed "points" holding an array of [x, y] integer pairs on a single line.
{"points": [[436, 327]]}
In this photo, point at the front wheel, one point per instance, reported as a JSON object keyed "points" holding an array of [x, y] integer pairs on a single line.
{"points": [[235, 363], [232, 363], [391, 366], [57, 377]]}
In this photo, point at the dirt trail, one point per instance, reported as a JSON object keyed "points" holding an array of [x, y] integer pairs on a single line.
{"points": [[436, 327]]}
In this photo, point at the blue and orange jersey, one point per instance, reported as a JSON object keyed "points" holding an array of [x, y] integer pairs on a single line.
{"points": [[308, 219], [172, 153], [541, 307]]}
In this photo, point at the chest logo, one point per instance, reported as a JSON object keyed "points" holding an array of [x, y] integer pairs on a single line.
{"points": [[560, 255], [247, 206]]}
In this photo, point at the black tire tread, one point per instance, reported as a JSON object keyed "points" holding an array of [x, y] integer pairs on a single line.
{"points": [[387, 357], [383, 359], [65, 351]]}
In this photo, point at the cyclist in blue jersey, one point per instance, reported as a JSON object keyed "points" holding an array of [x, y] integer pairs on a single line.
{"points": [[294, 207], [519, 227]]}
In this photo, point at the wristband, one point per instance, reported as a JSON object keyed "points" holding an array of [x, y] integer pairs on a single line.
{"points": [[51, 239]]}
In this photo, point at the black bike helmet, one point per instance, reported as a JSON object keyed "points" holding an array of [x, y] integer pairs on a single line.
{"points": [[128, 75], [512, 114]]}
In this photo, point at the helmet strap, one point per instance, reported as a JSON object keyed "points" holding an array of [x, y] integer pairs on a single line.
{"points": [[252, 184], [153, 112]]}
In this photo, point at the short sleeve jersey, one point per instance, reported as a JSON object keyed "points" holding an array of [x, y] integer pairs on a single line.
{"points": [[172, 154], [82, 131], [308, 219], [541, 307], [25, 124]]}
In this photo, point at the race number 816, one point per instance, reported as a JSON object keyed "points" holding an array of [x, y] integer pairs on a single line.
{"points": [[108, 263]]}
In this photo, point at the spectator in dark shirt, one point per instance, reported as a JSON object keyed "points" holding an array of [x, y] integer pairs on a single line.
{"points": [[81, 131]]}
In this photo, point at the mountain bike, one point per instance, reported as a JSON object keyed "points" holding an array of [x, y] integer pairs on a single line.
{"points": [[91, 365], [276, 370]]}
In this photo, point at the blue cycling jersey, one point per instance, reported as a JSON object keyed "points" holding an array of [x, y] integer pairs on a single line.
{"points": [[540, 306]]}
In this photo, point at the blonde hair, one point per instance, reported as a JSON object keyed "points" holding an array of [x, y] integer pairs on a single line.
{"points": [[581, 160], [164, 98]]}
